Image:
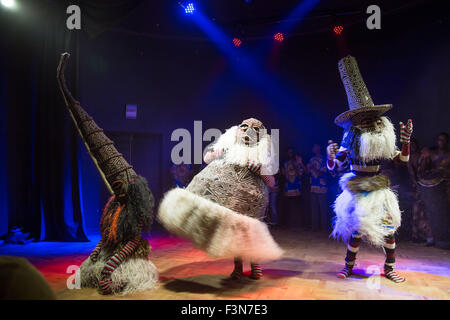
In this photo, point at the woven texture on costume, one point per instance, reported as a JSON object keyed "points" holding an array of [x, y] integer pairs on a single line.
{"points": [[357, 92], [232, 186], [216, 229], [112, 163]]}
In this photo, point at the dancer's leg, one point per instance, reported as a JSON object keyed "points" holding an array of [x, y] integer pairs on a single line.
{"points": [[352, 250], [389, 265], [256, 271], [238, 269]]}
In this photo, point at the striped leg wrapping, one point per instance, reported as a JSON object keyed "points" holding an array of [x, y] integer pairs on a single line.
{"points": [[346, 272], [113, 263], [238, 269], [96, 251], [352, 250], [394, 276], [389, 265], [256, 271]]}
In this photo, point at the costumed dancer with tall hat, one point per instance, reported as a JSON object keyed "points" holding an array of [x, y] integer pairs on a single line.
{"points": [[220, 211], [119, 262], [367, 208]]}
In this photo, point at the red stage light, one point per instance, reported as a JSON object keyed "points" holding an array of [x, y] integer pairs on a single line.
{"points": [[237, 42], [278, 37], [338, 30]]}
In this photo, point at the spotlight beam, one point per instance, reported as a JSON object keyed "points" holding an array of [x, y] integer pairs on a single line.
{"points": [[8, 3], [246, 67], [297, 15]]}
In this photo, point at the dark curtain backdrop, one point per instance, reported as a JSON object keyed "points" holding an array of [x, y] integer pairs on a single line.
{"points": [[39, 147]]}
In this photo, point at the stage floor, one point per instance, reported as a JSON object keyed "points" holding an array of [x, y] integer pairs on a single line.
{"points": [[306, 271]]}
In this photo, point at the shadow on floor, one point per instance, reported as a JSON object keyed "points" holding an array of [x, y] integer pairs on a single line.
{"points": [[212, 277]]}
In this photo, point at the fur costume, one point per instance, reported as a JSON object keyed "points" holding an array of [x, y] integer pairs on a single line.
{"points": [[220, 210], [367, 208], [367, 203], [119, 263]]}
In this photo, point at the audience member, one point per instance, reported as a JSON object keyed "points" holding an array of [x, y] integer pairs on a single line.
{"points": [[293, 170], [421, 230], [319, 187]]}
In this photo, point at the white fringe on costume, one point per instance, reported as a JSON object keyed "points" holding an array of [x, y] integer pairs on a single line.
{"points": [[263, 153], [375, 146], [364, 213], [134, 274], [219, 231]]}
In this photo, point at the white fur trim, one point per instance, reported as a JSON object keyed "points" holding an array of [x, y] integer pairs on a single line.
{"points": [[219, 231], [240, 154], [374, 146], [134, 274], [364, 213], [227, 139]]}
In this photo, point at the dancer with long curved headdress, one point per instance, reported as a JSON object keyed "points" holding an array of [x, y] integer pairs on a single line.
{"points": [[119, 262]]}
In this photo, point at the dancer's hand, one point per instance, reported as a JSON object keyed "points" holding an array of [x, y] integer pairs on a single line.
{"points": [[332, 149], [254, 167], [220, 154], [214, 154], [406, 132]]}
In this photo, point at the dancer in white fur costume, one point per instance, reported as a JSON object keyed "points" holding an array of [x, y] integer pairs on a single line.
{"points": [[220, 210], [367, 208]]}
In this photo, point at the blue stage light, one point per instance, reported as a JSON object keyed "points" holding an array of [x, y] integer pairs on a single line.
{"points": [[189, 8]]}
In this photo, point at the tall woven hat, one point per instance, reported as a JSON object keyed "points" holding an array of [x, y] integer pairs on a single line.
{"points": [[115, 171], [359, 100]]}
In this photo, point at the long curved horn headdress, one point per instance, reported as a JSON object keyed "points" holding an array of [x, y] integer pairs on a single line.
{"points": [[115, 171]]}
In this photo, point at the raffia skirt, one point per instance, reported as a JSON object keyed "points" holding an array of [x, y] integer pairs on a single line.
{"points": [[136, 273], [366, 205], [220, 212]]}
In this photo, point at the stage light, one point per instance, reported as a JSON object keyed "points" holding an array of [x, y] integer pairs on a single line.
{"points": [[189, 8], [278, 37], [8, 3], [338, 30], [237, 42]]}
